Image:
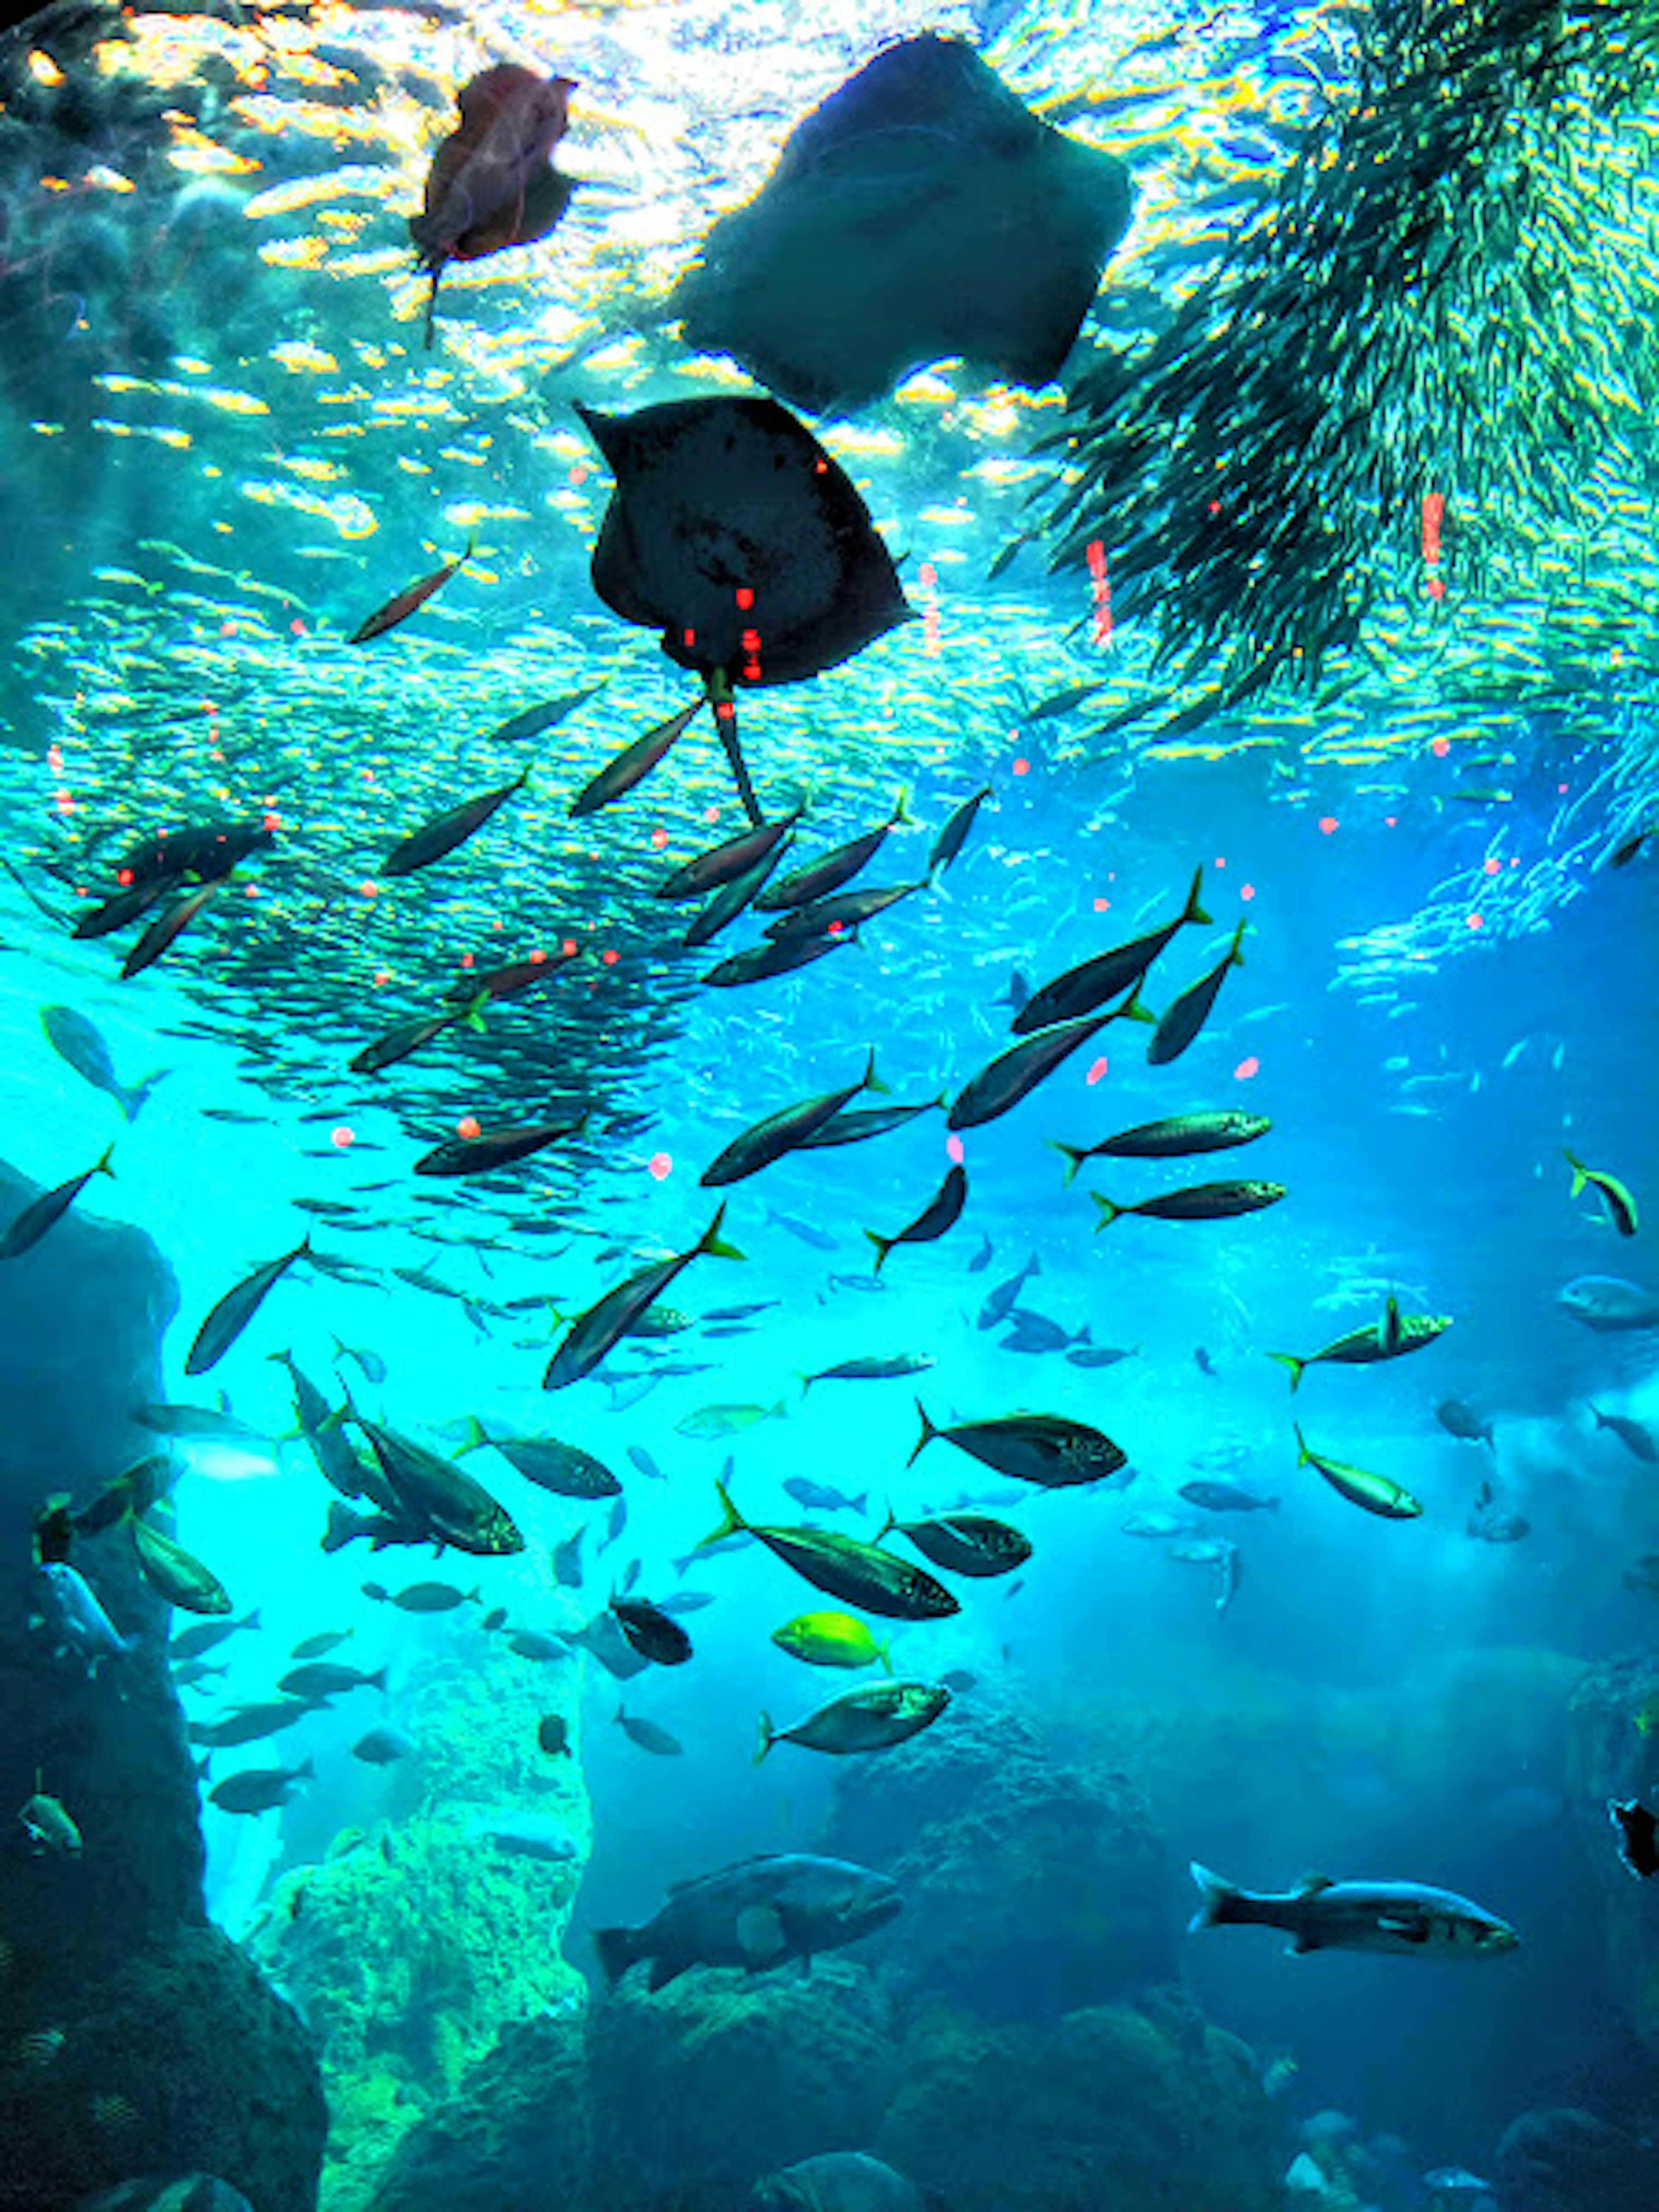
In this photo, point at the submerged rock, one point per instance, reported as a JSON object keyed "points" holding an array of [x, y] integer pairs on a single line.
{"points": [[1558, 2159], [1032, 1887]]}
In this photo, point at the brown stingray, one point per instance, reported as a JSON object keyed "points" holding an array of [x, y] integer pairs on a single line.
{"points": [[490, 184], [734, 532]]}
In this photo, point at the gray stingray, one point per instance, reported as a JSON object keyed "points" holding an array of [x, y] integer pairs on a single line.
{"points": [[921, 212], [733, 533]]}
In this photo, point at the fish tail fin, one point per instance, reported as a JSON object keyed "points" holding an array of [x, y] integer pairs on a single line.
{"points": [[102, 1165], [901, 812], [617, 1947], [376, 1681], [343, 1525], [928, 1432], [732, 1522], [1215, 1899], [1108, 1210], [861, 1503], [871, 1080], [1235, 957], [1193, 911], [1289, 1359], [474, 1439], [769, 1736], [1033, 1265], [884, 1652], [1074, 1155], [713, 1243], [473, 1012], [888, 1525], [1131, 1010], [1580, 1172], [133, 1102], [1303, 1456], [884, 1245]]}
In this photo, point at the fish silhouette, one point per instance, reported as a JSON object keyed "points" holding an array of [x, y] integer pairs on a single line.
{"points": [[491, 184]]}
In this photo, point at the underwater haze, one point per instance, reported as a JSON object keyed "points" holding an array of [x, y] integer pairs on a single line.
{"points": [[826, 1280]]}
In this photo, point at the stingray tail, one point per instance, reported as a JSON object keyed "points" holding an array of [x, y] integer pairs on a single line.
{"points": [[725, 721]]}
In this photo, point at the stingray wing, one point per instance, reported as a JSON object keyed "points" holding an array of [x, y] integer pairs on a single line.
{"points": [[490, 184], [735, 534]]}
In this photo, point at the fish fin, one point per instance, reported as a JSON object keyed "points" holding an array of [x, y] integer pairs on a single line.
{"points": [[1235, 959], [928, 1432], [376, 1681], [769, 1736], [1133, 1011], [1303, 1456], [884, 1245], [1215, 1897], [101, 1166], [1193, 911], [861, 1503], [1311, 1884], [1289, 1359], [1580, 1172], [901, 812], [305, 1771], [474, 1440], [1109, 1212], [890, 1524], [713, 1243], [871, 1080], [762, 1936], [1075, 1156], [617, 1950], [731, 1522], [473, 1013]]}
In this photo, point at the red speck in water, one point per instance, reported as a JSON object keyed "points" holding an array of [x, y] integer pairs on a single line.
{"points": [[1246, 1068], [1328, 825], [296, 627], [1247, 890], [342, 1137], [1097, 1068], [1219, 862], [1022, 766], [271, 819], [568, 946], [369, 890], [468, 1126], [659, 838], [928, 576], [1477, 921], [466, 959], [1103, 906], [382, 977], [537, 957], [1440, 747], [745, 598], [711, 814], [660, 1167], [1490, 865], [953, 1148], [610, 955], [123, 877]]}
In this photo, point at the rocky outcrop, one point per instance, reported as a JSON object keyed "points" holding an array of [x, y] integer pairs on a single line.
{"points": [[134, 2037], [1614, 1727], [1031, 1886]]}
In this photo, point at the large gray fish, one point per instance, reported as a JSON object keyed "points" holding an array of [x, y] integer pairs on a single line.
{"points": [[954, 835], [760, 1913], [338, 1461], [442, 832], [1390, 1337], [227, 1319], [43, 1213], [73, 1037], [73, 1617], [1174, 1138], [857, 1573], [1046, 1449], [873, 1717], [1181, 1022], [1081, 990], [434, 1493], [1404, 1917], [1607, 1303], [488, 1149], [763, 1142], [817, 879], [1013, 1075], [565, 1469], [593, 1334], [940, 1214]]}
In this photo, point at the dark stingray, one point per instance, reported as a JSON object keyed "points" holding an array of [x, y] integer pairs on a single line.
{"points": [[733, 533], [921, 212], [490, 184]]}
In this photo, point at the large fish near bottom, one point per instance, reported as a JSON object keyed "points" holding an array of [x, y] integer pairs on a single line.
{"points": [[760, 1913], [1405, 1918]]}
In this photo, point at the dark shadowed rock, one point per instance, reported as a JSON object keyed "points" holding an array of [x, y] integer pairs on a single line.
{"points": [[1558, 2159]]}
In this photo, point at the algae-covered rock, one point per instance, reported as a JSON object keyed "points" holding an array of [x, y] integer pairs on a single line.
{"points": [[1031, 1886], [516, 2132], [412, 1950], [1146, 2107], [700, 2090]]}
